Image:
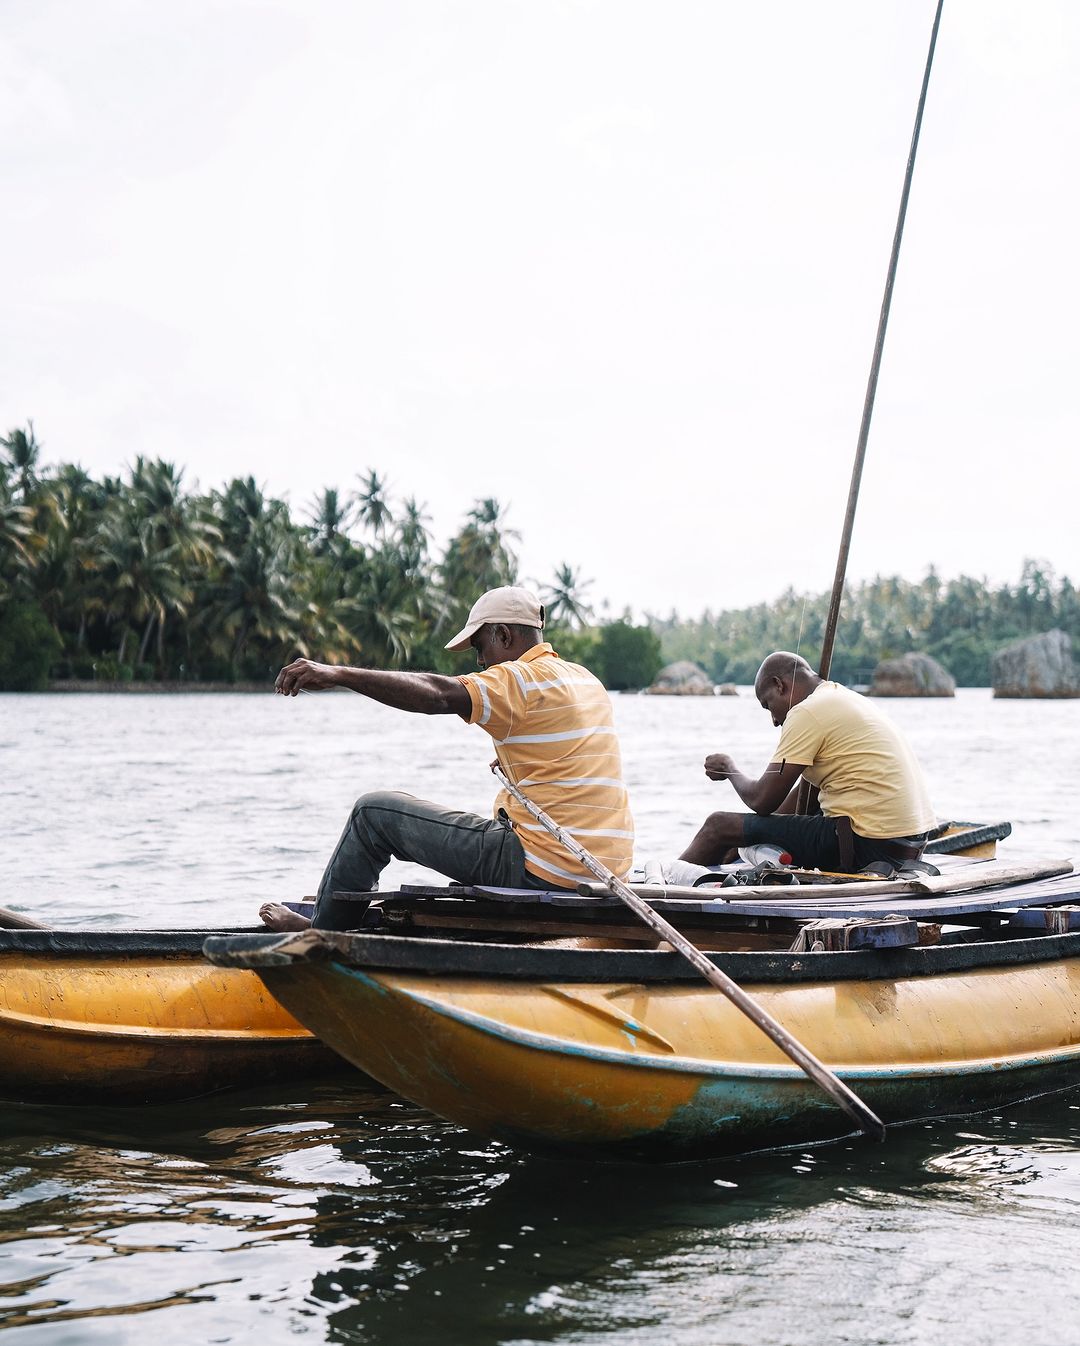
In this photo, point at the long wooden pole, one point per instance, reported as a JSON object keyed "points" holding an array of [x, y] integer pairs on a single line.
{"points": [[821, 1075], [833, 618], [807, 797]]}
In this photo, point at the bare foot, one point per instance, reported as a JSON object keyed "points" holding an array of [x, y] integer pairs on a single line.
{"points": [[277, 917]]}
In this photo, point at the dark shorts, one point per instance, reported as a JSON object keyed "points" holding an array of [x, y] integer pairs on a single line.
{"points": [[811, 840]]}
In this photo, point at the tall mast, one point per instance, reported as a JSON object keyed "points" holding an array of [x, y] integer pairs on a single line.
{"points": [[807, 795], [871, 387]]}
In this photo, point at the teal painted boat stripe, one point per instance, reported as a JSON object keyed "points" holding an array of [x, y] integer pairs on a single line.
{"points": [[524, 1037]]}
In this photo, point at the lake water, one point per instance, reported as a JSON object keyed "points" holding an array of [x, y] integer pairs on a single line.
{"points": [[334, 1212]]}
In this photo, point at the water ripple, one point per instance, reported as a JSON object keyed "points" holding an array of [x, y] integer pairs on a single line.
{"points": [[335, 1212]]}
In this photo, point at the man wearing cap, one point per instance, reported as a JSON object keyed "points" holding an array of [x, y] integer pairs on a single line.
{"points": [[552, 728]]}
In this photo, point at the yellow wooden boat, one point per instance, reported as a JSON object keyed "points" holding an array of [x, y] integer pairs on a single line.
{"points": [[589, 1040], [137, 1017]]}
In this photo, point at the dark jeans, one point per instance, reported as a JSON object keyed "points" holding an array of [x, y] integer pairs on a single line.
{"points": [[390, 825], [811, 840]]}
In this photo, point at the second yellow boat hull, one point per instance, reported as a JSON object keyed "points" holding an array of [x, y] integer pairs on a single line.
{"points": [[139, 1028]]}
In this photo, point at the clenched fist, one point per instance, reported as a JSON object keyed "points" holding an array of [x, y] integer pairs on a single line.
{"points": [[719, 766]]}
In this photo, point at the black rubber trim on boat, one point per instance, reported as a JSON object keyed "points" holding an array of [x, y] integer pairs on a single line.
{"points": [[108, 943], [443, 957], [974, 836]]}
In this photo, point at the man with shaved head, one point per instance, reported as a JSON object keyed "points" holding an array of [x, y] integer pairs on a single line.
{"points": [[873, 800]]}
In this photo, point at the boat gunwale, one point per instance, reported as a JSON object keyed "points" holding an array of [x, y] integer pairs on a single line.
{"points": [[91, 943], [399, 953]]}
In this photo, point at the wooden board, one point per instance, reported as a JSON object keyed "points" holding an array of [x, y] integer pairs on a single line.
{"points": [[969, 878], [805, 903]]}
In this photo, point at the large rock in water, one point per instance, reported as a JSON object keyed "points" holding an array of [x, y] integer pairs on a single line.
{"points": [[912, 675], [682, 679], [1039, 666]]}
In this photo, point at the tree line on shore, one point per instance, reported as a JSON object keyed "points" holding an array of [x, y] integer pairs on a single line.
{"points": [[138, 578], [959, 622]]}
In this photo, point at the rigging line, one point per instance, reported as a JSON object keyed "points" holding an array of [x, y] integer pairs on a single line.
{"points": [[798, 648]]}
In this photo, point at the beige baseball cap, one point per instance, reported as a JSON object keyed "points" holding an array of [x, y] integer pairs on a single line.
{"points": [[517, 607]]}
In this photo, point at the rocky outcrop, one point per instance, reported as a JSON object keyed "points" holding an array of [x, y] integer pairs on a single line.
{"points": [[912, 675], [682, 679], [1041, 666], [727, 689]]}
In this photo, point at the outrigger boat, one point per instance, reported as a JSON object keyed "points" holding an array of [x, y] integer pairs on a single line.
{"points": [[137, 1016], [553, 1022], [893, 1000]]}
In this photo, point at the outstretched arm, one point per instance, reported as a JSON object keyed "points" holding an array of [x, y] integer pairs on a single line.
{"points": [[423, 693], [764, 795]]}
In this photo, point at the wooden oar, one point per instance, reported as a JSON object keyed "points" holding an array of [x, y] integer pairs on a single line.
{"points": [[11, 920], [821, 1075]]}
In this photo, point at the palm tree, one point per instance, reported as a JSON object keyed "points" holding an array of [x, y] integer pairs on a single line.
{"points": [[16, 534], [382, 612], [247, 607], [323, 611], [66, 567], [159, 499], [372, 504], [412, 537], [331, 518], [565, 599], [478, 558], [166, 538], [23, 452], [144, 579]]}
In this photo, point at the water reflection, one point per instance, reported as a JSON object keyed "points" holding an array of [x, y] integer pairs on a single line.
{"points": [[353, 1217]]}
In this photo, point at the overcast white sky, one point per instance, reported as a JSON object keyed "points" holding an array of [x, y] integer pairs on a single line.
{"points": [[617, 264]]}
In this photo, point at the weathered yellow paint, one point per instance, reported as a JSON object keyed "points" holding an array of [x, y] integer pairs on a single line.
{"points": [[955, 1017], [624, 1066], [140, 1029]]}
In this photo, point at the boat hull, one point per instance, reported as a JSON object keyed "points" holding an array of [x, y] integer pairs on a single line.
{"points": [[674, 1071], [138, 1017]]}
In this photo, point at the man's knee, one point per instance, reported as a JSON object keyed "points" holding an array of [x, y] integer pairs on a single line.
{"points": [[725, 826], [381, 801], [394, 822]]}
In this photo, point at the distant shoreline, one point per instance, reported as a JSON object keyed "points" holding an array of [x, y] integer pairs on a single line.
{"points": [[107, 685]]}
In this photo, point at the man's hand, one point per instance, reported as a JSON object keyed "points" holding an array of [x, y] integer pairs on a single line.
{"points": [[719, 766], [304, 675], [764, 795]]}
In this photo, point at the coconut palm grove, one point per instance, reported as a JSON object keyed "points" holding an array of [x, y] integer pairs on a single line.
{"points": [[137, 578]]}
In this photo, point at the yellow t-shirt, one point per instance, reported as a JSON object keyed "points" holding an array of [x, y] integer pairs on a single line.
{"points": [[554, 737], [860, 762]]}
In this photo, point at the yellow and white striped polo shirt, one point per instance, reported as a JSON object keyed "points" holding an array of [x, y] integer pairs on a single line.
{"points": [[552, 727]]}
